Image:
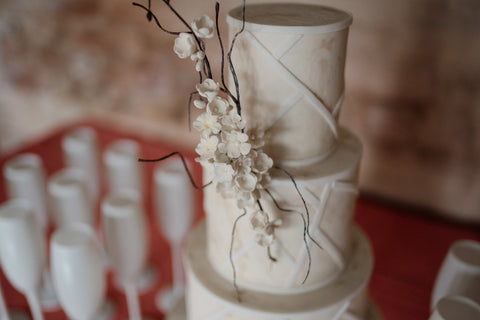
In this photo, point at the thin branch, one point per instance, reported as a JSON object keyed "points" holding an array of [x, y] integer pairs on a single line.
{"points": [[299, 193], [184, 165], [230, 255], [305, 231], [189, 109], [222, 68], [151, 15], [270, 255], [230, 64]]}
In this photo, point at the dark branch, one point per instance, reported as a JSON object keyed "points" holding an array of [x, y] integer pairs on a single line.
{"points": [[151, 15], [305, 231], [230, 63], [230, 255], [222, 75], [184, 165]]}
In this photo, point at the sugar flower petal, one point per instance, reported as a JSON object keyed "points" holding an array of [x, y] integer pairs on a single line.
{"points": [[207, 147], [207, 124], [223, 172], [218, 106], [208, 89], [262, 163], [246, 182], [184, 45], [199, 104], [204, 27], [264, 240]]}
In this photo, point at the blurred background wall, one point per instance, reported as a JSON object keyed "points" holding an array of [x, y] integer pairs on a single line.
{"points": [[412, 81]]}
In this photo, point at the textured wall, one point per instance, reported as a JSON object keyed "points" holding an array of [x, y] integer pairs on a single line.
{"points": [[413, 86]]}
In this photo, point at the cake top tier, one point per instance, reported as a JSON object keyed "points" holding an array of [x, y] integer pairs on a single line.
{"points": [[291, 18]]}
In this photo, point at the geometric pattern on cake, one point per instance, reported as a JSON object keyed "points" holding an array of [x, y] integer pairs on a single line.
{"points": [[302, 89], [329, 189], [295, 85]]}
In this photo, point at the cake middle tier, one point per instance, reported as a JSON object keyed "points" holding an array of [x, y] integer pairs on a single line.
{"points": [[329, 189]]}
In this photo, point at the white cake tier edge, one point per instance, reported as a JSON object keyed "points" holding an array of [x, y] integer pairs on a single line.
{"points": [[209, 293]]}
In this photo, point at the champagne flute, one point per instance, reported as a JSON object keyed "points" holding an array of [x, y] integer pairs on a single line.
{"points": [[124, 172], [123, 169], [459, 273], [77, 271], [69, 198], [80, 150], [173, 200], [22, 249], [126, 242], [25, 178], [456, 308]]}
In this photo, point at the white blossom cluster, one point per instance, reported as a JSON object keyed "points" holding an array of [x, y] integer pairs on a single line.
{"points": [[233, 153], [185, 45]]}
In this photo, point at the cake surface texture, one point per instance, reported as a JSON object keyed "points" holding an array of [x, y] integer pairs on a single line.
{"points": [[289, 61]]}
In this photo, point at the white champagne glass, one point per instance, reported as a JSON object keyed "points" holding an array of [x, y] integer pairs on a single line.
{"points": [[124, 172], [22, 251], [69, 198], [459, 273], [80, 150], [456, 308], [126, 242], [122, 166], [77, 271], [174, 208], [25, 178]]}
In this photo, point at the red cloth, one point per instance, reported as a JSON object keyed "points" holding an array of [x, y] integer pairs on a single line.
{"points": [[408, 247]]}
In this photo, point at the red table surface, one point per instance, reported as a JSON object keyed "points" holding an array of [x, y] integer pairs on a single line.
{"points": [[408, 246]]}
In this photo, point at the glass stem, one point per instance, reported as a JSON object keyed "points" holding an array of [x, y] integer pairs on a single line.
{"points": [[34, 305], [133, 304]]}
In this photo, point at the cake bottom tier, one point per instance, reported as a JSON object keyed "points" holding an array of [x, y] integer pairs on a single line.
{"points": [[209, 296]]}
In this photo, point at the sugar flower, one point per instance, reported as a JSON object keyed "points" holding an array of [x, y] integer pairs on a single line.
{"points": [[256, 137], [232, 121], [246, 203], [246, 182], [242, 165], [264, 239], [204, 27], [198, 57], [184, 45], [223, 172], [207, 147], [207, 124], [208, 89], [218, 106], [262, 162], [199, 104], [235, 144], [259, 220]]}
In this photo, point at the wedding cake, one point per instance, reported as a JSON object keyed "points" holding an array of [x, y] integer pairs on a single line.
{"points": [[298, 255]]}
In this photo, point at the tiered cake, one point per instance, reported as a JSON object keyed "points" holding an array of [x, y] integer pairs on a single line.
{"points": [[290, 66]]}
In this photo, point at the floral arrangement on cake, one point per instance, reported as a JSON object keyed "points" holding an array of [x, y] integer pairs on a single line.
{"points": [[234, 153], [228, 147]]}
